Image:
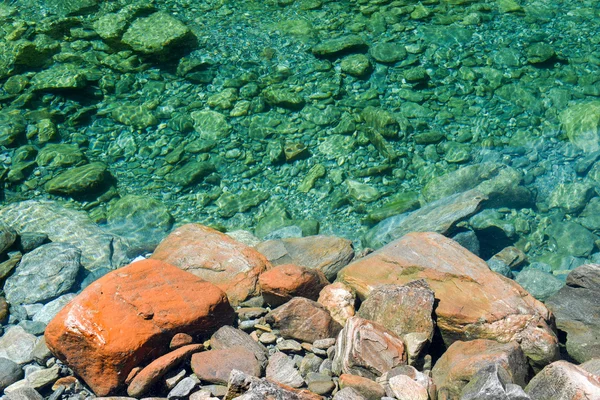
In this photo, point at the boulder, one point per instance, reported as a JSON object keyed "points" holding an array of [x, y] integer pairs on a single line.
{"points": [[562, 380], [64, 225], [43, 274], [215, 257], [279, 284], [80, 181], [246, 387], [577, 310], [339, 300], [215, 366], [474, 302], [463, 360], [128, 317], [367, 349], [491, 383], [405, 310], [304, 320], [326, 253], [227, 337]]}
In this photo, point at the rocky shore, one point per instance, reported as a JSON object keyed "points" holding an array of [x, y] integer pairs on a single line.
{"points": [[209, 315]]}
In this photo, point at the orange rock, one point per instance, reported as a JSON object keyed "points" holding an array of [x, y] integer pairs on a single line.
{"points": [[283, 282], [215, 257], [216, 365], [463, 360], [474, 302], [180, 340], [339, 299], [129, 316], [148, 376], [562, 380], [370, 389]]}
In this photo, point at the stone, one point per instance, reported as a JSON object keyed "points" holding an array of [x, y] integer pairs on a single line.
{"points": [[215, 366], [184, 387], [211, 125], [7, 237], [571, 197], [142, 220], [50, 309], [357, 65], [158, 34], [421, 378], [154, 371], [43, 377], [492, 382], [339, 300], [462, 360], [571, 238], [439, 216], [333, 48], [279, 284], [474, 302], [316, 171], [17, 345], [59, 76], [43, 274], [286, 98], [24, 393], [215, 257], [191, 173], [403, 310], [539, 284], [368, 388], [387, 52], [303, 319], [80, 181], [55, 155], [398, 204], [228, 337], [246, 387], [592, 366], [404, 388], [231, 203], [282, 369], [137, 116], [10, 372], [362, 191], [576, 308], [562, 380], [71, 7], [41, 353], [326, 253], [180, 340], [88, 333], [3, 310], [367, 349], [348, 393], [539, 53], [580, 122]]}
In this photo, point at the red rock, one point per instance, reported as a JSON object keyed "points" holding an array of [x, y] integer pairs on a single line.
{"points": [[214, 257], [371, 390], [279, 284], [216, 365], [303, 319], [339, 299], [474, 302], [180, 340], [128, 317], [367, 349], [150, 374], [463, 360], [328, 254], [562, 380]]}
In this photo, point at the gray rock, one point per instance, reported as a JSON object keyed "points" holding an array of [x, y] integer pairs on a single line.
{"points": [[184, 387], [310, 363], [291, 231], [577, 312], [439, 216], [468, 240], [348, 393], [43, 377], [10, 372], [98, 248], [592, 366], [17, 345], [562, 380], [540, 284], [228, 337], [32, 240], [7, 237], [46, 272], [247, 387], [24, 393], [492, 383], [572, 238], [282, 369], [52, 308], [34, 327]]}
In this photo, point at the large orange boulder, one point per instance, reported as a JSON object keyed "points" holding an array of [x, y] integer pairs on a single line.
{"points": [[215, 257], [129, 316], [474, 302]]}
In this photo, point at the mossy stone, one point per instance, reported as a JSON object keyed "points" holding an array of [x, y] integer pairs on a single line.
{"points": [[339, 46], [581, 123], [211, 125], [362, 191], [571, 197], [59, 155], [357, 65], [60, 76], [317, 171], [157, 34], [139, 117], [382, 121], [12, 127], [398, 204], [71, 7], [84, 180], [539, 53], [231, 203], [190, 173], [572, 238], [335, 146], [283, 97], [388, 52]]}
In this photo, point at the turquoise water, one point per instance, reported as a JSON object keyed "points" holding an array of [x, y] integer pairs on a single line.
{"points": [[318, 116]]}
